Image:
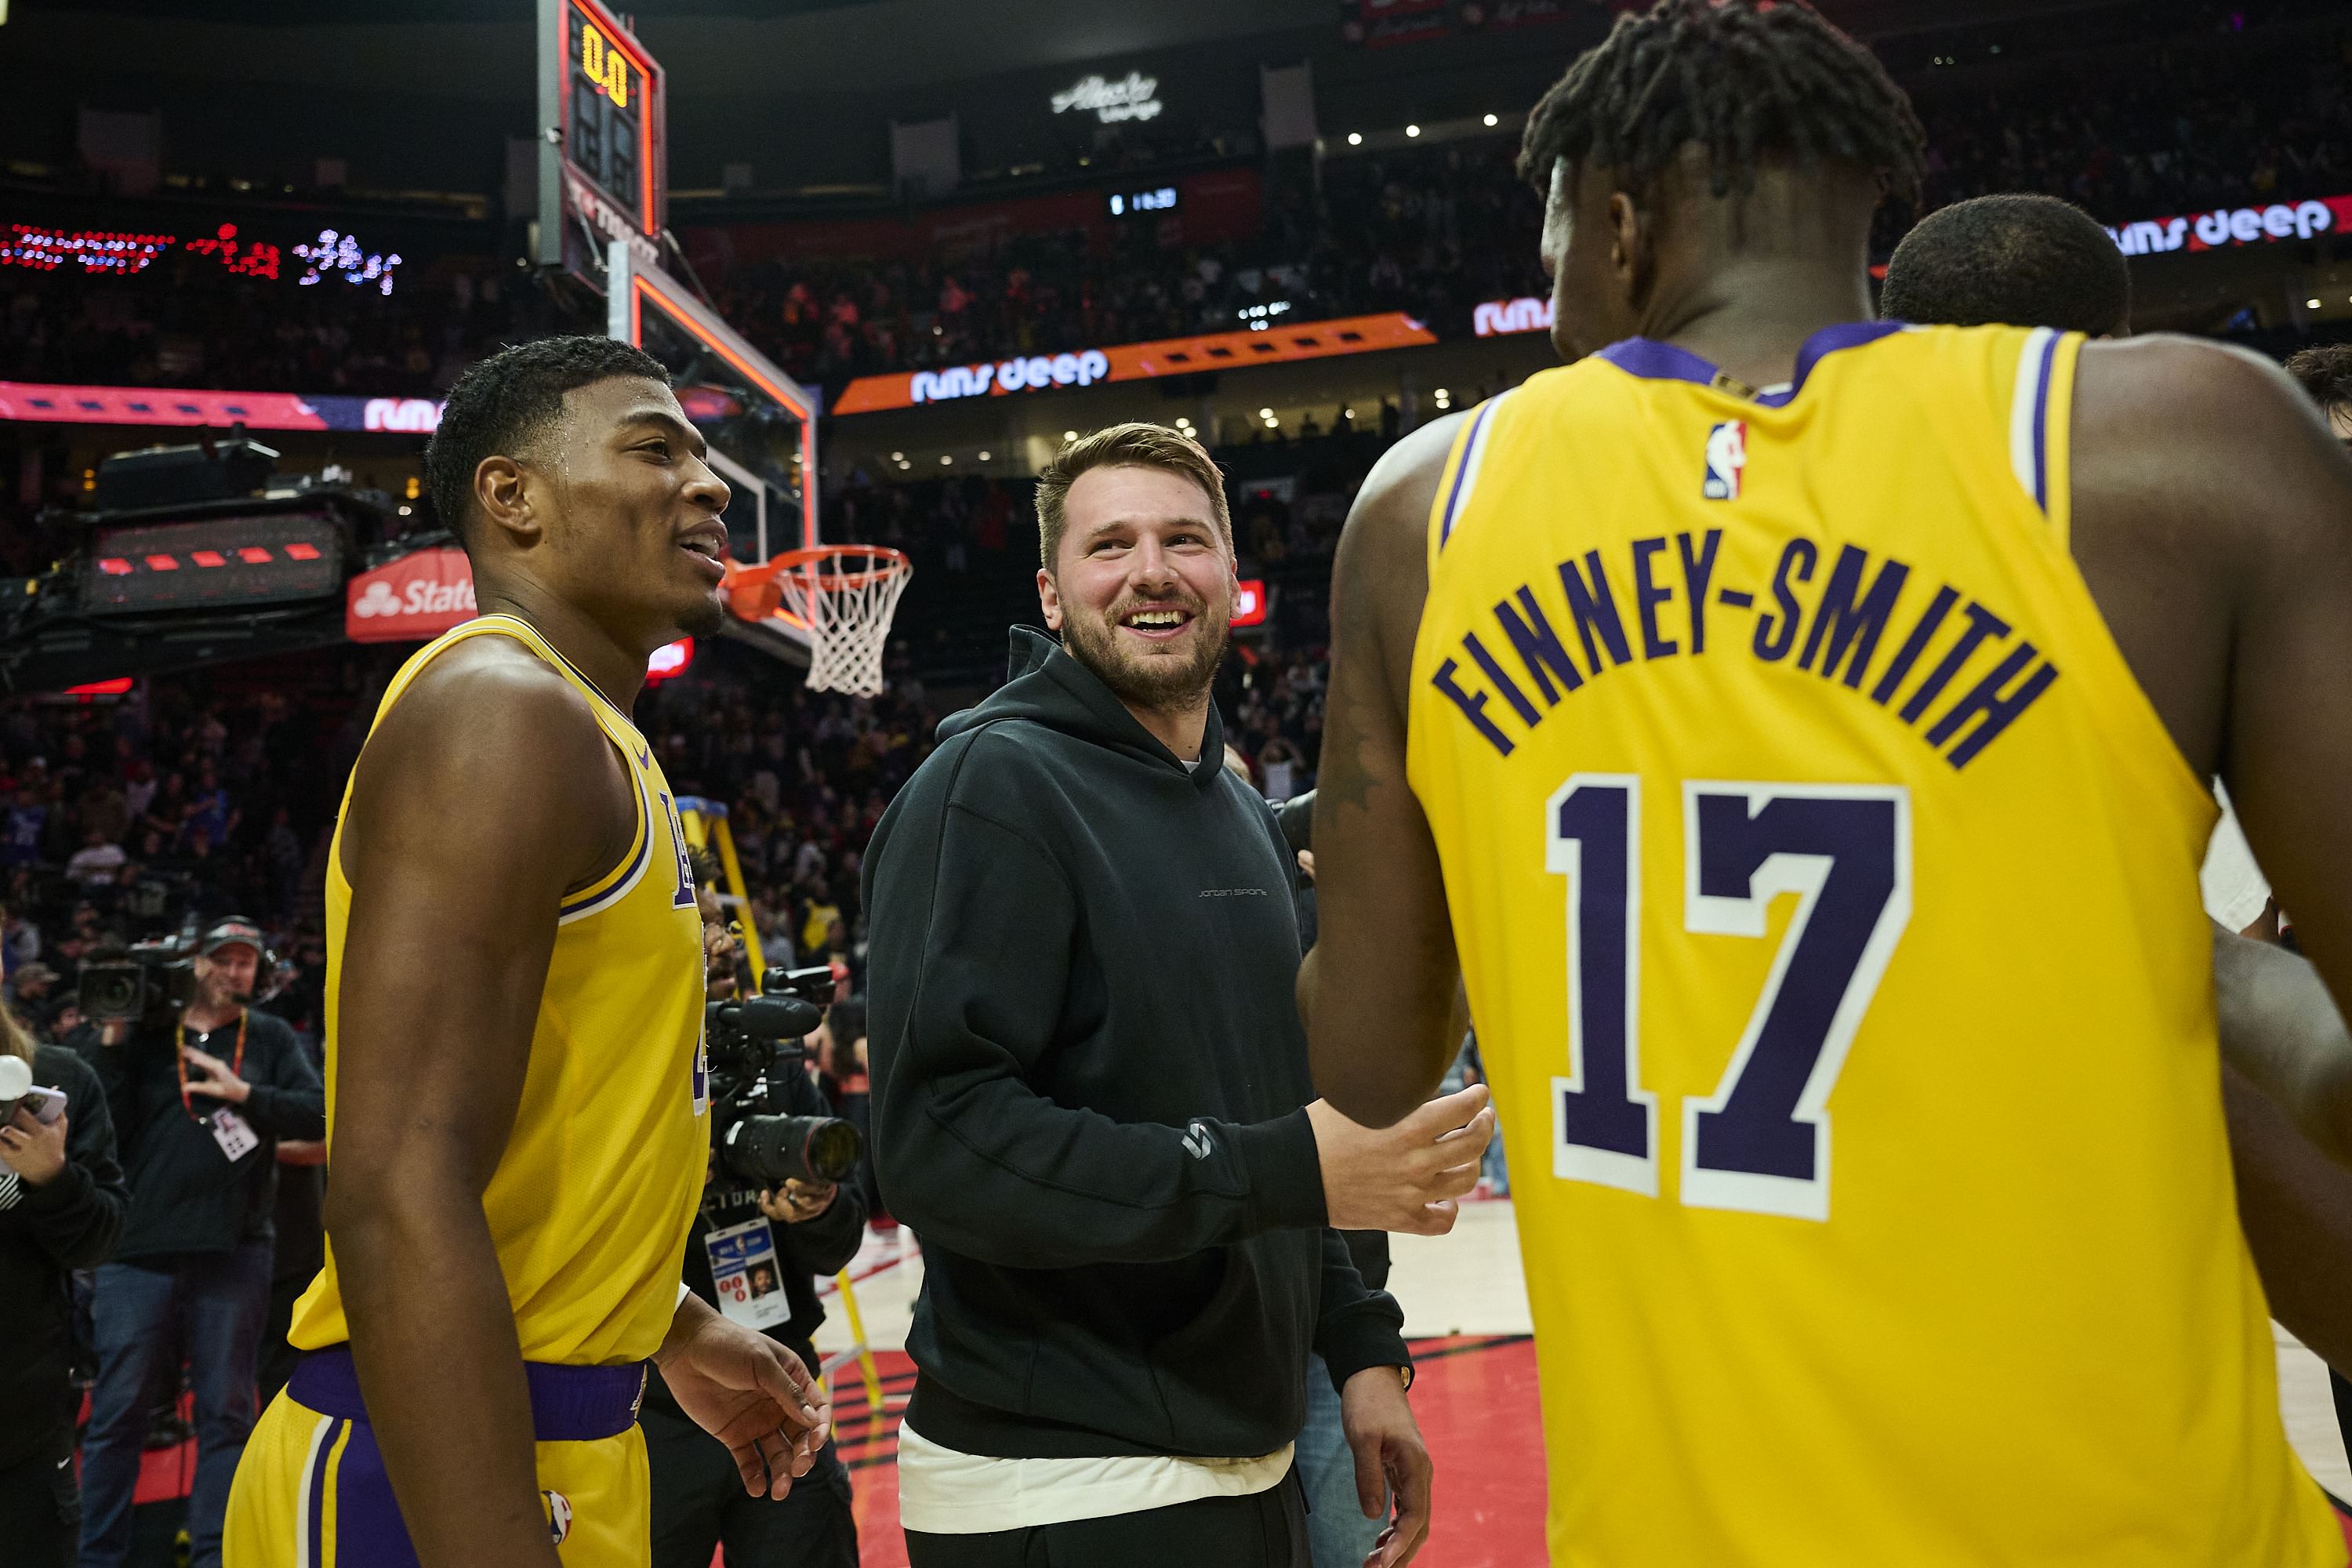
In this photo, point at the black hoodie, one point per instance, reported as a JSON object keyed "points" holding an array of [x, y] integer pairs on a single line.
{"points": [[1088, 1080]]}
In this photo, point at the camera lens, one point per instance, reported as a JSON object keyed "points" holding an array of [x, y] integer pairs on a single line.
{"points": [[112, 991], [792, 1148]]}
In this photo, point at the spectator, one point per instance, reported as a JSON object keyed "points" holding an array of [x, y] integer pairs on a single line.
{"points": [[61, 1205], [30, 986], [97, 860], [199, 1138], [2325, 373]]}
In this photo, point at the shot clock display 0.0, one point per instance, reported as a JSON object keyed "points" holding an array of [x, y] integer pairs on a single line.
{"points": [[610, 99]]}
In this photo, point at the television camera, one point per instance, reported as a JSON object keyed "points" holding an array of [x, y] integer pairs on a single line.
{"points": [[751, 1040]]}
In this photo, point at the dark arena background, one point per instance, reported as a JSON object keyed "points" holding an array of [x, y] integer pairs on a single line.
{"points": [[894, 252]]}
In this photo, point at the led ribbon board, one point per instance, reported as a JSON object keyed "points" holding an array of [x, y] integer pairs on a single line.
{"points": [[1136, 362]]}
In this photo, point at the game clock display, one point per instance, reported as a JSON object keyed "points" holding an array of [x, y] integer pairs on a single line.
{"points": [[612, 111]]}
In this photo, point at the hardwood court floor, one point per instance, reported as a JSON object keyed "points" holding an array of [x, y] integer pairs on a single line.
{"points": [[1465, 1309]]}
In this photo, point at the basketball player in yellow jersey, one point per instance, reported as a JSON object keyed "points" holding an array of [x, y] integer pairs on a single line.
{"points": [[516, 1107], [1717, 699]]}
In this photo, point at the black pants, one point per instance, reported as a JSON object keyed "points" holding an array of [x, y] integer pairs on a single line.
{"points": [[40, 1508], [699, 1503], [1265, 1530]]}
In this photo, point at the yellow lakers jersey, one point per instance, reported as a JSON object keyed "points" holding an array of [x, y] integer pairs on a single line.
{"points": [[1826, 892], [594, 1197]]}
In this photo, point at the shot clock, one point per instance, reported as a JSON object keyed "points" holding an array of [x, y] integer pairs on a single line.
{"points": [[601, 103]]}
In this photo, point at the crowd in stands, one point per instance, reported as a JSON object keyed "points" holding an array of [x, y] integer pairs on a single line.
{"points": [[2222, 111], [2197, 104], [185, 319], [1430, 233], [190, 798]]}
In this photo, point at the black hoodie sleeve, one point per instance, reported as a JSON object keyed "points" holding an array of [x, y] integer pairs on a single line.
{"points": [[76, 1216], [974, 924], [1357, 1326], [287, 1099]]}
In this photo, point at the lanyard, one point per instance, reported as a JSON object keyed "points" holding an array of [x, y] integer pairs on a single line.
{"points": [[179, 1060]]}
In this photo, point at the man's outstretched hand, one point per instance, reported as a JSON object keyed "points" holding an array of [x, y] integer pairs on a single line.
{"points": [[1407, 1177], [1390, 1461], [748, 1392]]}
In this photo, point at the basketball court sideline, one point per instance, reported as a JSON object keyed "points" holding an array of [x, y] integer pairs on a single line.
{"points": [[1466, 1313]]}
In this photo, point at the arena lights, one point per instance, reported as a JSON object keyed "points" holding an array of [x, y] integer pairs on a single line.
{"points": [[1355, 138], [95, 250], [334, 255], [1412, 129], [106, 253], [984, 456], [1492, 122], [253, 258]]}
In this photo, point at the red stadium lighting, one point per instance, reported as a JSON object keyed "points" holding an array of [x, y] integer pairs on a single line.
{"points": [[253, 555], [1249, 603], [670, 661], [163, 564], [208, 558], [115, 687]]}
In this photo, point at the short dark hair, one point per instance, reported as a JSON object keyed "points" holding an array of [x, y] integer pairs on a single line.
{"points": [[1750, 80], [2014, 259], [501, 404], [2324, 373]]}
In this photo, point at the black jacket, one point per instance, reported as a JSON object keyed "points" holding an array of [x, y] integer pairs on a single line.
{"points": [[70, 1223], [185, 1194], [821, 1245], [1088, 1080]]}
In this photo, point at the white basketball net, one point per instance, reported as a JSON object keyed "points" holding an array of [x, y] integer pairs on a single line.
{"points": [[848, 600]]}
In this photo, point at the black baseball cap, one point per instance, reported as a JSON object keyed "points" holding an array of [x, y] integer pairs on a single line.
{"points": [[234, 931]]}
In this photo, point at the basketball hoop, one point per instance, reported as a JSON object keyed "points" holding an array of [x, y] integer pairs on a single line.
{"points": [[846, 596]]}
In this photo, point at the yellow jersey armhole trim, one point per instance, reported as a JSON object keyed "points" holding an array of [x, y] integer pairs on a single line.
{"points": [[2057, 430], [1434, 536], [631, 865]]}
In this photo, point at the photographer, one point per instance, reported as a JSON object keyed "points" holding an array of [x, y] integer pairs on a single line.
{"points": [[201, 1097], [61, 1203], [754, 1254]]}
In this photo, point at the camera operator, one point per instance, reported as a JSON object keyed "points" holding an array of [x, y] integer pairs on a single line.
{"points": [[61, 1203], [754, 1254], [201, 1096]]}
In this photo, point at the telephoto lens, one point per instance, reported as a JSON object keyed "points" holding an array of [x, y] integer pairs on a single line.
{"points": [[772, 1149]]}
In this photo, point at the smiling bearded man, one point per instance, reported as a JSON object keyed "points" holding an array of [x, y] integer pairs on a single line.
{"points": [[1090, 1088]]}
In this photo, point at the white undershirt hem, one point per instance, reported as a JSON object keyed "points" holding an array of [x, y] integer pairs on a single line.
{"points": [[944, 1492]]}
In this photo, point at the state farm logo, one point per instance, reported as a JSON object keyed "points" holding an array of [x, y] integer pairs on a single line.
{"points": [[379, 600], [420, 594]]}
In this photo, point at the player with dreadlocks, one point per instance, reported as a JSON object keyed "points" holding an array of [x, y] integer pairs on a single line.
{"points": [[1714, 704]]}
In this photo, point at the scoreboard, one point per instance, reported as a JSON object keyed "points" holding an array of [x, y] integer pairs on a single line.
{"points": [[603, 161]]}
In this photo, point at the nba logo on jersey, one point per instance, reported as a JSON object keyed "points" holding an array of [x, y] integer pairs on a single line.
{"points": [[1726, 458]]}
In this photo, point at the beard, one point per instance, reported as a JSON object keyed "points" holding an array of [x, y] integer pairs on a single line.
{"points": [[1150, 680]]}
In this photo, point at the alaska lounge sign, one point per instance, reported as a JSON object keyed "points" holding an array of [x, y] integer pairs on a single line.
{"points": [[2226, 226], [1136, 362], [1134, 95]]}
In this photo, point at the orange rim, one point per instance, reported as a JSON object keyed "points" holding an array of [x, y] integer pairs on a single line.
{"points": [[894, 563]]}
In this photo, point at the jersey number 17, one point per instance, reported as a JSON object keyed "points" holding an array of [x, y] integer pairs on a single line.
{"points": [[1760, 1142]]}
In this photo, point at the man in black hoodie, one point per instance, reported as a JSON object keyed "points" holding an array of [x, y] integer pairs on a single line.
{"points": [[1090, 1088]]}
